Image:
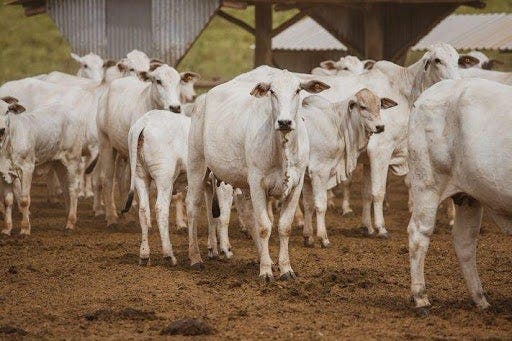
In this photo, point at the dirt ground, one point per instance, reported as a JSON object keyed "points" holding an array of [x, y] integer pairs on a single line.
{"points": [[89, 284]]}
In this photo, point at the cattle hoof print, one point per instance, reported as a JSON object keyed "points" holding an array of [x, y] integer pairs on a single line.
{"points": [[144, 262], [170, 260]]}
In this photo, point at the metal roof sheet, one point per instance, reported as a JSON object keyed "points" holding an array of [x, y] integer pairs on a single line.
{"points": [[462, 31], [306, 34], [472, 31]]}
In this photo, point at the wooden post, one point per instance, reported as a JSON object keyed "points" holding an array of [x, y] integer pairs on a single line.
{"points": [[373, 33], [263, 36]]}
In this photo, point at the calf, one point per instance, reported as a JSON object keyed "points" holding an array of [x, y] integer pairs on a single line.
{"points": [[47, 135], [338, 133], [248, 134]]}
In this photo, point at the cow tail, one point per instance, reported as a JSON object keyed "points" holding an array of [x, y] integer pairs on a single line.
{"points": [[215, 201], [91, 166], [135, 135]]}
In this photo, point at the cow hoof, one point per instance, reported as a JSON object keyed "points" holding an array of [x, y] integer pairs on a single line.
{"points": [[198, 266], [266, 278], [170, 260], [68, 232], [5, 233], [384, 235], [144, 262], [326, 244], [288, 275], [181, 228], [213, 254], [228, 254], [347, 213], [365, 232], [113, 225], [309, 242], [422, 311]]}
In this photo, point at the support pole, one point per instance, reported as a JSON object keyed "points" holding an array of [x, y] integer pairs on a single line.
{"points": [[263, 36], [373, 33]]}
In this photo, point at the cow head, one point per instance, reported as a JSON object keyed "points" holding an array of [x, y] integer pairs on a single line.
{"points": [[351, 64], [138, 61], [188, 79], [365, 107], [91, 66], [477, 59], [284, 90], [440, 62], [165, 87]]}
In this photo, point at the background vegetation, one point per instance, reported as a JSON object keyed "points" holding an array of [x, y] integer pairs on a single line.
{"points": [[33, 45]]}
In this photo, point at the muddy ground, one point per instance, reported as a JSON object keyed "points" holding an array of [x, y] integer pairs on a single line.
{"points": [[89, 284]]}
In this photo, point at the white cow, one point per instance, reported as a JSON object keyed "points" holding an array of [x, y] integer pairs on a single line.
{"points": [[479, 60], [126, 100], [256, 143], [338, 133], [345, 64], [51, 135], [459, 147]]}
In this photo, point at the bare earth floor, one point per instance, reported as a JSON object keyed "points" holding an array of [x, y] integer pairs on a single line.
{"points": [[89, 284]]}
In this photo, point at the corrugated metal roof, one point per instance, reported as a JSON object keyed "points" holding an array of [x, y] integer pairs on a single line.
{"points": [[472, 31], [164, 29], [462, 31], [306, 34]]}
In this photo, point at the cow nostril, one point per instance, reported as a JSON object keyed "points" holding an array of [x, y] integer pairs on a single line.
{"points": [[175, 109], [284, 123], [380, 128]]}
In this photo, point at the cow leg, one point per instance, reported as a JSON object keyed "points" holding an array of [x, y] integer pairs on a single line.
{"points": [[108, 156], [181, 211], [319, 185], [70, 175], [345, 204], [97, 183], [298, 217], [421, 226], [468, 219], [244, 211], [213, 251], [330, 199], [450, 208], [23, 189], [367, 200], [308, 203], [196, 188], [142, 183], [263, 225], [288, 208], [53, 187], [379, 173], [225, 195], [7, 203], [163, 201]]}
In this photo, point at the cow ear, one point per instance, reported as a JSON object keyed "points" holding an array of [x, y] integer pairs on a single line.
{"points": [[489, 65], [154, 65], [189, 77], [16, 108], [260, 90], [368, 64], [386, 103], [109, 63], [314, 86], [76, 58], [9, 99], [467, 61], [123, 67], [328, 65], [145, 76]]}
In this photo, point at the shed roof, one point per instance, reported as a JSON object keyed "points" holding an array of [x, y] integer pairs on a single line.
{"points": [[307, 34], [462, 31], [472, 31]]}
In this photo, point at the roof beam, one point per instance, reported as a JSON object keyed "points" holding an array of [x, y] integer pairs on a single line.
{"points": [[288, 23], [240, 23]]}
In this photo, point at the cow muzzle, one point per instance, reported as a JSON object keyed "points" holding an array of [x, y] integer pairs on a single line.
{"points": [[285, 125], [175, 108]]}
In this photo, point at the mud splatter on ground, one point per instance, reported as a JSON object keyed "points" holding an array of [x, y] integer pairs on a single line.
{"points": [[89, 284]]}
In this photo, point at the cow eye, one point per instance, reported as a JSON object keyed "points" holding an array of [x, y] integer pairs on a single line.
{"points": [[437, 61], [362, 107], [298, 90], [271, 91], [132, 69], [85, 66], [159, 82], [345, 68]]}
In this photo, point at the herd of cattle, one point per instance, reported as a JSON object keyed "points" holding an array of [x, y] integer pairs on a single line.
{"points": [[263, 141]]}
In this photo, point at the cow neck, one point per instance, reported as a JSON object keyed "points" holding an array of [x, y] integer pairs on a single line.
{"points": [[150, 95], [287, 147]]}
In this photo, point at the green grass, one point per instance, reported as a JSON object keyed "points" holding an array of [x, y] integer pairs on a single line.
{"points": [[33, 45]]}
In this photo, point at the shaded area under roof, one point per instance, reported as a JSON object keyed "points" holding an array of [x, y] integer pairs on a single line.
{"points": [[463, 31]]}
